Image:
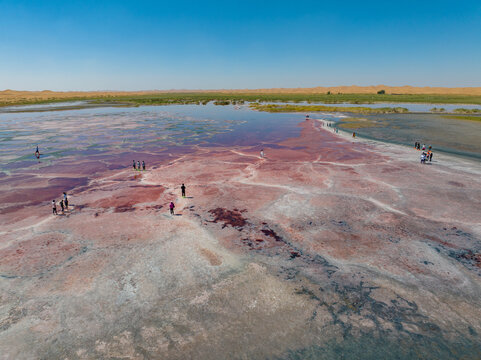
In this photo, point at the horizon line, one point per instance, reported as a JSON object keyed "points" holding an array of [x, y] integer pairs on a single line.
{"points": [[281, 89]]}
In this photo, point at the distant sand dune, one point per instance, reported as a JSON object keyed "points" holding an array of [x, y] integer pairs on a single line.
{"points": [[370, 90], [14, 96]]}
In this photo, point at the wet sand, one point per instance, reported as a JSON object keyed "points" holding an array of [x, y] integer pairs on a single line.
{"points": [[327, 248]]}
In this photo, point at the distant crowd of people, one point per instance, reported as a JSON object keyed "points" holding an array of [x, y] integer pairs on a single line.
{"points": [[426, 155], [63, 205], [137, 167]]}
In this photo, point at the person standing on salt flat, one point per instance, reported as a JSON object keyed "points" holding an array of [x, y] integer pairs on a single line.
{"points": [[65, 200]]}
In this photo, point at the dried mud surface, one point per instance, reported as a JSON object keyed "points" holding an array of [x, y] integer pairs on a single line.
{"points": [[327, 248]]}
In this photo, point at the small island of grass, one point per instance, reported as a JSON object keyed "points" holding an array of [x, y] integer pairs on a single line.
{"points": [[316, 108]]}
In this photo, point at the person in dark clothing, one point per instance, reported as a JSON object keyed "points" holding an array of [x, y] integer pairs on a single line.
{"points": [[133, 164], [143, 165], [61, 205], [430, 156], [183, 190], [171, 207], [54, 208]]}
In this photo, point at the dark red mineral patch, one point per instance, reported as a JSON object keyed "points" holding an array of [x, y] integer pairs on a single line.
{"points": [[271, 233], [233, 218], [474, 258]]}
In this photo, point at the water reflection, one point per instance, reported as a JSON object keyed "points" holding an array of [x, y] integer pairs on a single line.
{"points": [[113, 134], [453, 136]]}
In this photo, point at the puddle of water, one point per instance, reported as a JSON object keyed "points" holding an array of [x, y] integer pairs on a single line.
{"points": [[452, 136], [55, 105]]}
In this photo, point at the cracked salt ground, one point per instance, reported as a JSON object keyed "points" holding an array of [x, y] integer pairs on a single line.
{"points": [[276, 258]]}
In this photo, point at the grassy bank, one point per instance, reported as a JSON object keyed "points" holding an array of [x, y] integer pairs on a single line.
{"points": [[226, 98], [235, 98], [463, 117], [355, 123], [313, 108]]}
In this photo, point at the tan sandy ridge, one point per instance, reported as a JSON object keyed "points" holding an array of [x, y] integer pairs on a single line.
{"points": [[14, 96]]}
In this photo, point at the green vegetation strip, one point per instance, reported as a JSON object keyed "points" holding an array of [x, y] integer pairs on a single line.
{"points": [[467, 111], [463, 117], [233, 98], [313, 108], [239, 98], [353, 123]]}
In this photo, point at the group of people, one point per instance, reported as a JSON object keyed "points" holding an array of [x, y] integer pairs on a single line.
{"points": [[328, 124], [137, 167], [417, 145], [63, 204], [172, 205], [425, 156]]}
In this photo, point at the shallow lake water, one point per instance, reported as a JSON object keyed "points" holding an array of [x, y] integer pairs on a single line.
{"points": [[118, 135], [457, 137], [115, 135], [410, 106]]}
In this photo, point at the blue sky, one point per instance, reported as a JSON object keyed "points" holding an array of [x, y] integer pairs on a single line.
{"points": [[139, 45]]}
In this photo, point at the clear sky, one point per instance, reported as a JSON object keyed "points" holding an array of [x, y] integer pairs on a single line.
{"points": [[140, 45]]}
